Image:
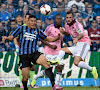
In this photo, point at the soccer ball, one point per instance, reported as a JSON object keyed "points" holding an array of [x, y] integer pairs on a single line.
{"points": [[45, 9]]}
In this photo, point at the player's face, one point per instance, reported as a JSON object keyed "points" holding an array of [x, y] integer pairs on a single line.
{"points": [[69, 18], [32, 22], [58, 20], [26, 18]]}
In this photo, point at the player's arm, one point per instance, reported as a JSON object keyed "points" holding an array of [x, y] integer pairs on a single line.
{"points": [[43, 36], [13, 35], [63, 31], [9, 38], [78, 38], [52, 39], [46, 43]]}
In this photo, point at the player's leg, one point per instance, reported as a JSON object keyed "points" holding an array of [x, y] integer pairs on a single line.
{"points": [[31, 72], [58, 76], [25, 73], [36, 76], [80, 54], [62, 53], [43, 61], [21, 77], [25, 63]]}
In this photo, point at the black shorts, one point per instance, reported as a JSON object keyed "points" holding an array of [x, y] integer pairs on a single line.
{"points": [[25, 60]]}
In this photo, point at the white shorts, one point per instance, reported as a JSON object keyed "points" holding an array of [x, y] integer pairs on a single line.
{"points": [[81, 49], [53, 57]]}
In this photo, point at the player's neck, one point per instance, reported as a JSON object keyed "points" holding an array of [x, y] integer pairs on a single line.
{"points": [[94, 28], [57, 26]]}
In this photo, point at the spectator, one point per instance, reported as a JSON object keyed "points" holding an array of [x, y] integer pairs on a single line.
{"points": [[98, 21], [3, 46], [60, 10], [20, 7], [49, 20], [94, 35], [11, 10], [37, 2], [74, 8], [81, 20], [19, 20], [25, 10], [31, 11], [13, 26], [66, 3], [80, 5], [61, 1], [89, 15], [39, 24], [97, 2], [4, 16], [37, 12], [8, 2]]}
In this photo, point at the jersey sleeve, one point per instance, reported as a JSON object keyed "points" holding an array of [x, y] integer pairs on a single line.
{"points": [[79, 28], [42, 35], [17, 31]]}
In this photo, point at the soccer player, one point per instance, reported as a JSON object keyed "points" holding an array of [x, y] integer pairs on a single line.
{"points": [[28, 36], [81, 41], [51, 54], [31, 71]]}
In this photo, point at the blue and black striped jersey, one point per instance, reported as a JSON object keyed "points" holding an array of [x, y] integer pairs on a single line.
{"points": [[28, 39]]}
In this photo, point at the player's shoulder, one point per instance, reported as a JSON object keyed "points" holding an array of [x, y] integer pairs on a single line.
{"points": [[77, 24], [48, 27]]}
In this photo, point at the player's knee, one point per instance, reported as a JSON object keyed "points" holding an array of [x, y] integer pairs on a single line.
{"points": [[76, 63], [25, 78], [59, 68]]}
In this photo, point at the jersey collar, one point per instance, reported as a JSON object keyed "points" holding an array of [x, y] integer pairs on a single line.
{"points": [[55, 26]]}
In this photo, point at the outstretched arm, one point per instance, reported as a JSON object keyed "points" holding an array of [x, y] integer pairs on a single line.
{"points": [[63, 32], [46, 43], [9, 38], [78, 38], [51, 39]]}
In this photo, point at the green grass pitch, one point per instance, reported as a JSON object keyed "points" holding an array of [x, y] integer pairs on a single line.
{"points": [[49, 88]]}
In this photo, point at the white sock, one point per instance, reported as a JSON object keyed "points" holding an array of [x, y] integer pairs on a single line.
{"points": [[40, 74], [61, 55], [58, 78], [84, 65]]}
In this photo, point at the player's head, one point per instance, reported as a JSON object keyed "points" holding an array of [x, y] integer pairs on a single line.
{"points": [[58, 19], [32, 21], [69, 17], [26, 18]]}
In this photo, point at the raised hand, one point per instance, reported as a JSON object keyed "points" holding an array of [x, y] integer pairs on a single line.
{"points": [[61, 30], [4, 38]]}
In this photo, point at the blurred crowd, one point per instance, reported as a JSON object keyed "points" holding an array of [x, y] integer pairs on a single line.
{"points": [[87, 12]]}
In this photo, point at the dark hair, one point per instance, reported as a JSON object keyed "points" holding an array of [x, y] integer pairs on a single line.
{"points": [[27, 14], [70, 12], [58, 15], [32, 16], [93, 20]]}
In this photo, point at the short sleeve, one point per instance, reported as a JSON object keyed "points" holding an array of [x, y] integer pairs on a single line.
{"points": [[17, 31], [42, 35], [79, 28]]}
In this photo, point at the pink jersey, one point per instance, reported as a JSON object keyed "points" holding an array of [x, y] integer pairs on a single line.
{"points": [[51, 31], [76, 29]]}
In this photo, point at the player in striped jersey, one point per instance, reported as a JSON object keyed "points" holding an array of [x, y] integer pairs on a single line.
{"points": [[32, 67], [28, 36]]}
